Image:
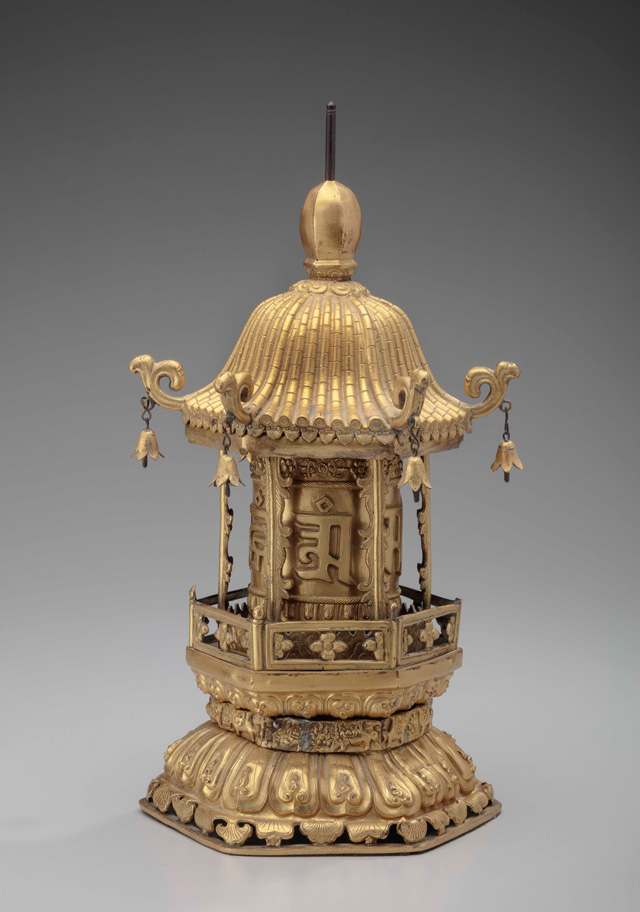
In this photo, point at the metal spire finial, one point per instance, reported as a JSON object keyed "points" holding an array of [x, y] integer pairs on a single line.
{"points": [[330, 144]]}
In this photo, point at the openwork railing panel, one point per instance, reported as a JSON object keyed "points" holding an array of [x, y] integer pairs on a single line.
{"points": [[417, 635]]}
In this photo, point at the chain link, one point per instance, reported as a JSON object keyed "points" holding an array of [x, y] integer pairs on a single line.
{"points": [[414, 439], [147, 404], [226, 428], [505, 408]]}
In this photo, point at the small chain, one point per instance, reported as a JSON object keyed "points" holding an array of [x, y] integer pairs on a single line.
{"points": [[226, 427], [505, 408], [147, 404], [414, 439]]}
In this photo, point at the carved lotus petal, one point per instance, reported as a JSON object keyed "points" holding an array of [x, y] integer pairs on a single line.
{"points": [[413, 830], [344, 708], [184, 808], [274, 831], [457, 812], [153, 785], [367, 830], [395, 794], [438, 820], [233, 833], [266, 705], [147, 445], [415, 474], [441, 685], [303, 706], [477, 801], [204, 818], [322, 832], [487, 789], [162, 797]]}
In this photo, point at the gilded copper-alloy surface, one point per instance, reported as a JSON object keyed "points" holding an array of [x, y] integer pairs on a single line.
{"points": [[290, 733], [218, 785], [321, 673]]}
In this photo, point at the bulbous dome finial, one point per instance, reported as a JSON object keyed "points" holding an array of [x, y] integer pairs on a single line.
{"points": [[330, 222]]}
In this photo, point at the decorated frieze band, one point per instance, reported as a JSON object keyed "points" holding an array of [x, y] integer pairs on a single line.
{"points": [[325, 735]]}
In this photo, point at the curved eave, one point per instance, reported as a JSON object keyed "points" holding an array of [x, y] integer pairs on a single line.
{"points": [[443, 423]]}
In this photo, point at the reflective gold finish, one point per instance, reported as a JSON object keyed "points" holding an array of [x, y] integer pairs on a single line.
{"points": [[415, 474], [226, 472], [506, 457], [329, 363], [330, 228], [321, 673], [226, 790], [152, 373], [147, 446], [324, 736]]}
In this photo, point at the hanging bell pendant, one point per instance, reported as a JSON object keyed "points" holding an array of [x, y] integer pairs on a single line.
{"points": [[226, 472], [506, 458], [415, 474], [147, 446]]}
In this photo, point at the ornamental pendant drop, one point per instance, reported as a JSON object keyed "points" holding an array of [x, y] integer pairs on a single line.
{"points": [[147, 446], [415, 474], [506, 458], [226, 472]]}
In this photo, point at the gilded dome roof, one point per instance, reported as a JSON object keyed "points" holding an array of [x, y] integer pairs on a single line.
{"points": [[332, 360]]}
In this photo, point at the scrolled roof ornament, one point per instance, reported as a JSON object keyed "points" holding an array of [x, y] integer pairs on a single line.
{"points": [[152, 373], [496, 380]]}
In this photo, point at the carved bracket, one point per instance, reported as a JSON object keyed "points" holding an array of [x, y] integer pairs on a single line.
{"points": [[497, 381], [152, 373], [236, 390], [408, 396]]}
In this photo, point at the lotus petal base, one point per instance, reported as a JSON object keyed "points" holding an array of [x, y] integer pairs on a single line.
{"points": [[239, 798]]}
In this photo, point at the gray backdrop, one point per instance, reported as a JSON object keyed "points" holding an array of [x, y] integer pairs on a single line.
{"points": [[155, 157]]}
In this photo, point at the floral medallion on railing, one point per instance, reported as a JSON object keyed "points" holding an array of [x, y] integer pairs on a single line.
{"points": [[328, 647]]}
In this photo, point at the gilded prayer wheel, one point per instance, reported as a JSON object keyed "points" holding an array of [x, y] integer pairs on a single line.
{"points": [[321, 669]]}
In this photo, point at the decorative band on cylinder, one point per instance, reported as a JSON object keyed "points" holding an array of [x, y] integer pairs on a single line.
{"points": [[322, 736]]}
